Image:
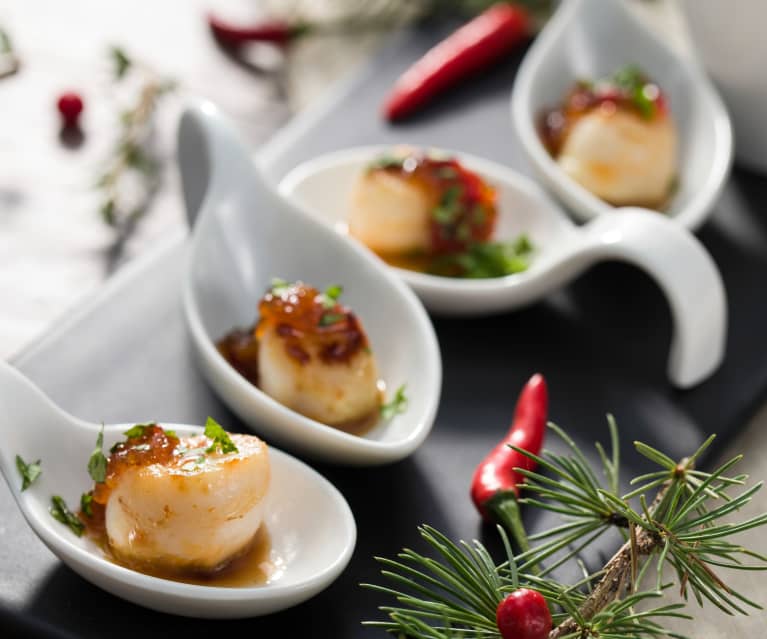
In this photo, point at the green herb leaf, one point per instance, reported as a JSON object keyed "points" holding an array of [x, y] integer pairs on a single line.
{"points": [[485, 260], [386, 162], [6, 46], [634, 83], [29, 472], [122, 63], [278, 287], [221, 439], [60, 512], [326, 319], [449, 207], [397, 405], [137, 431], [86, 504], [170, 433], [331, 295], [97, 464]]}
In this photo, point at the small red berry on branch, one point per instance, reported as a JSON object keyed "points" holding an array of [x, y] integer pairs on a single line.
{"points": [[70, 106], [523, 615]]}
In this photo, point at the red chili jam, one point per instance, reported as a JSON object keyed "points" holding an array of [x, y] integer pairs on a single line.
{"points": [[151, 445]]}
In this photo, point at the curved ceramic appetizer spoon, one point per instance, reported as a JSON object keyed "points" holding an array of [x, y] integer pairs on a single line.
{"points": [[311, 527], [591, 39], [668, 253], [244, 235]]}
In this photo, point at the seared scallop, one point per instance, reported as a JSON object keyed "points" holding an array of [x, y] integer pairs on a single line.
{"points": [[334, 393], [314, 357], [194, 511], [391, 214], [621, 157]]}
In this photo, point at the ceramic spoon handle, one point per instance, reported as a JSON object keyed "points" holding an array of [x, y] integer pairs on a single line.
{"points": [[684, 271], [216, 163]]}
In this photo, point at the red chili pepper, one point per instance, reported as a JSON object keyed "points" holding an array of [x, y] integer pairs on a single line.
{"points": [[494, 485], [274, 31], [492, 34]]}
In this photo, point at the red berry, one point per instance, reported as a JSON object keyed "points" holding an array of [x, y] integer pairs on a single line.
{"points": [[70, 106], [523, 615]]}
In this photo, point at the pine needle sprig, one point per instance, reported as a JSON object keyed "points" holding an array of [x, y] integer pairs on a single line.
{"points": [[672, 517]]}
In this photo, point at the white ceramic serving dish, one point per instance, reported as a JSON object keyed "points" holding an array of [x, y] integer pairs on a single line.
{"points": [[589, 39], [311, 527], [670, 254], [244, 235]]}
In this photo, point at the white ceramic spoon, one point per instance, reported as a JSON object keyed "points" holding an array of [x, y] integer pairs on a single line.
{"points": [[671, 255], [244, 235], [589, 39], [310, 525]]}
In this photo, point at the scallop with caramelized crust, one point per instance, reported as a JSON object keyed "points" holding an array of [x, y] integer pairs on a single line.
{"points": [[314, 357], [183, 507], [621, 157]]}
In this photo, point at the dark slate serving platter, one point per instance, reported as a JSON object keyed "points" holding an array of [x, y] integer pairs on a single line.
{"points": [[602, 343]]}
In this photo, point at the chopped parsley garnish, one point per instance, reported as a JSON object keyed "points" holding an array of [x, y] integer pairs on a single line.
{"points": [[60, 512], [137, 431], [278, 287], [97, 464], [171, 433], [329, 297], [386, 162], [449, 207], [221, 439], [634, 83], [29, 472], [326, 319], [86, 504], [397, 405], [485, 260]]}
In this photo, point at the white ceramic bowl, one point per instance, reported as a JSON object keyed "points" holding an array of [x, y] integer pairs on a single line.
{"points": [[592, 39]]}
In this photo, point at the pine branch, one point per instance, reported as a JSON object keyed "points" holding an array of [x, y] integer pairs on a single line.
{"points": [[617, 575], [457, 593]]}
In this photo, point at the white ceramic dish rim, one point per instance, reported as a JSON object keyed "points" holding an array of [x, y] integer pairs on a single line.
{"points": [[186, 591], [588, 205]]}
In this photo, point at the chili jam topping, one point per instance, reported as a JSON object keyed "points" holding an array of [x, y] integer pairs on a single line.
{"points": [[146, 444], [464, 211], [311, 323], [303, 317], [628, 89]]}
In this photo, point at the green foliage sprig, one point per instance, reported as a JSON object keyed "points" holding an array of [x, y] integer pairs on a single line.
{"points": [[674, 516], [132, 154]]}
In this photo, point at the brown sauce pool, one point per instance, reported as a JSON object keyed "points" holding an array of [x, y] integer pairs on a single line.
{"points": [[253, 567]]}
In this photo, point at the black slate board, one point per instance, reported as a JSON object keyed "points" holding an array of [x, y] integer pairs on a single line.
{"points": [[602, 344]]}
